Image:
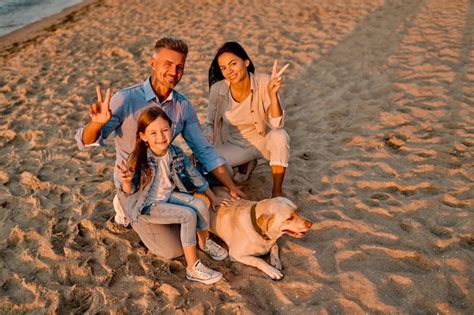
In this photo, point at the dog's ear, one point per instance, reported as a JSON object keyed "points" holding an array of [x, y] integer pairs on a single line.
{"points": [[264, 220]]}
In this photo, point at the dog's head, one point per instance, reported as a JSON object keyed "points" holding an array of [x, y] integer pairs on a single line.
{"points": [[278, 216]]}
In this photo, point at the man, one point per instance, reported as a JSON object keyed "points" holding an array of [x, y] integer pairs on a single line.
{"points": [[119, 114]]}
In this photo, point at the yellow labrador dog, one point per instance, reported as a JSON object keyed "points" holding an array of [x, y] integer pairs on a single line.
{"points": [[252, 229]]}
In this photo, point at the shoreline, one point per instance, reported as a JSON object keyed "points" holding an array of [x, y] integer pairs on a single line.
{"points": [[16, 40]]}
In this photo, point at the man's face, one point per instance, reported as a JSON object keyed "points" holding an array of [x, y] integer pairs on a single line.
{"points": [[168, 68]]}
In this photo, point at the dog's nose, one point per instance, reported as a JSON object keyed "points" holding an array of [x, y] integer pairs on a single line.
{"points": [[308, 224]]}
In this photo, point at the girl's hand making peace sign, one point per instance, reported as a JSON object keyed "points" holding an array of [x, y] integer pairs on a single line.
{"points": [[126, 175]]}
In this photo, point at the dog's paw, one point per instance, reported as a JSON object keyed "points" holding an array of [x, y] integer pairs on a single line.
{"points": [[275, 262], [273, 273]]}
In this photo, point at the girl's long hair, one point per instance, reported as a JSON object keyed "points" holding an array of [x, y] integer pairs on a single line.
{"points": [[138, 158], [215, 73]]}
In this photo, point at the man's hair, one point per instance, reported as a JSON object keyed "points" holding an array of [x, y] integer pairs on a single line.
{"points": [[173, 44]]}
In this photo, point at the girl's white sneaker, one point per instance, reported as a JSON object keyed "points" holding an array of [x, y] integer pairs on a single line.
{"points": [[203, 274]]}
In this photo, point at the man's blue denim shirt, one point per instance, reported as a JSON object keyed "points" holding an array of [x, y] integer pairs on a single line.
{"points": [[126, 106]]}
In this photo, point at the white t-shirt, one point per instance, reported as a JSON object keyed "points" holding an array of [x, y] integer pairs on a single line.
{"points": [[242, 130], [241, 125], [162, 185]]}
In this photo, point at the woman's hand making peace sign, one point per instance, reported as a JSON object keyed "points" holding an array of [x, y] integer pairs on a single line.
{"points": [[275, 81]]}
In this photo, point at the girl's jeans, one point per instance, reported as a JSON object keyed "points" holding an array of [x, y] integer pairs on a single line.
{"points": [[183, 209]]}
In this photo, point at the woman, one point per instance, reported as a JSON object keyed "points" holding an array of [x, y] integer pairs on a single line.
{"points": [[245, 118]]}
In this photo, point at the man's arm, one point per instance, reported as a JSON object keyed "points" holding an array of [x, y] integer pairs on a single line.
{"points": [[205, 152], [91, 132], [194, 175], [223, 176], [96, 130]]}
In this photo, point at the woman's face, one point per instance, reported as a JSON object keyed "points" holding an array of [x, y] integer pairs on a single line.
{"points": [[233, 68]]}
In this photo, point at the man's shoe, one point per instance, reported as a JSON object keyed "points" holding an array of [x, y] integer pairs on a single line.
{"points": [[119, 218], [203, 274]]}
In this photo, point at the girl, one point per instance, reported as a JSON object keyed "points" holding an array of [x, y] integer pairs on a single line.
{"points": [[245, 118], [155, 168]]}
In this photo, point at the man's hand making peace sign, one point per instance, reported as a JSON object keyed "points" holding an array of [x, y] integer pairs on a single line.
{"points": [[100, 111], [100, 114]]}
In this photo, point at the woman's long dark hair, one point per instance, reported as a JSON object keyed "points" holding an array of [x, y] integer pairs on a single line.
{"points": [[215, 73], [138, 157]]}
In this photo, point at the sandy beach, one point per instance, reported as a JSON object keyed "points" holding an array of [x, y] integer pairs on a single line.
{"points": [[379, 100]]}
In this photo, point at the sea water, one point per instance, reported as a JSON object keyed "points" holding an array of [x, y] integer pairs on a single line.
{"points": [[15, 14]]}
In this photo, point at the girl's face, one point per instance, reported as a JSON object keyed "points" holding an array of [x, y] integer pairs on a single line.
{"points": [[158, 136], [233, 68]]}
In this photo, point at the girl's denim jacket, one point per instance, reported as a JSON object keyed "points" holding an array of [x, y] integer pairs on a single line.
{"points": [[182, 172]]}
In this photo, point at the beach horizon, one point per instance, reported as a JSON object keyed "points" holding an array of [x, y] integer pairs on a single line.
{"points": [[15, 39]]}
